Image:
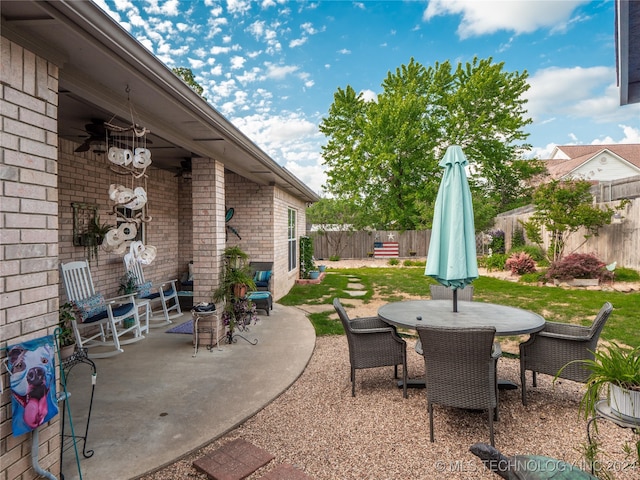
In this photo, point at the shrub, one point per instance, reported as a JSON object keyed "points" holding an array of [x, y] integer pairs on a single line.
{"points": [[623, 274], [393, 261], [578, 265], [517, 238], [334, 258], [497, 241], [534, 252], [520, 263], [496, 261]]}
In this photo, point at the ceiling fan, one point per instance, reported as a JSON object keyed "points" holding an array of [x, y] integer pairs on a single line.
{"points": [[97, 135], [184, 170]]}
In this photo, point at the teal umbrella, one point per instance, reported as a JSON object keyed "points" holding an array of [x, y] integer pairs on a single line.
{"points": [[452, 249]]}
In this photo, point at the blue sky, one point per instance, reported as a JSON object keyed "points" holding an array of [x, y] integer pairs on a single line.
{"points": [[272, 66]]}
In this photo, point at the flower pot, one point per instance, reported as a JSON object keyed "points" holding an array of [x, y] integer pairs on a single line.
{"points": [[314, 274], [67, 351], [322, 268], [239, 290], [625, 402]]}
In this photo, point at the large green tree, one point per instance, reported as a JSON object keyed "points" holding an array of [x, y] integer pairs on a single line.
{"points": [[186, 74], [383, 156]]}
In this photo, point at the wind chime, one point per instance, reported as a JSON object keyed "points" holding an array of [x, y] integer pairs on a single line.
{"points": [[129, 158]]}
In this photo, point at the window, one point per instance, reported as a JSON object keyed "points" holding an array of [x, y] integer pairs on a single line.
{"points": [[292, 239]]}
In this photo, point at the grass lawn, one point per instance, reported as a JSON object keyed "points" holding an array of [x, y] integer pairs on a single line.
{"points": [[554, 304]]}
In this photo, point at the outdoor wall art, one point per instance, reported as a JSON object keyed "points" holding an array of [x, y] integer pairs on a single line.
{"points": [[32, 374]]}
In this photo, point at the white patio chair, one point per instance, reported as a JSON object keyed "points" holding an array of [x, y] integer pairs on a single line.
{"points": [[98, 322], [165, 293]]}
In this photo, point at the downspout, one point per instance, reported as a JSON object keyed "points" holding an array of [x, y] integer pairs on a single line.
{"points": [[34, 456]]}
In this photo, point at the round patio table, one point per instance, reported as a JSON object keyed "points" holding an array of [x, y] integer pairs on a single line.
{"points": [[439, 313]]}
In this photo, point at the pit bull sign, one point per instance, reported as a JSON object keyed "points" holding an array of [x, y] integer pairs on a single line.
{"points": [[32, 373]]}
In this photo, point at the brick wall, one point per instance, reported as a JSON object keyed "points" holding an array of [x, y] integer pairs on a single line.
{"points": [[29, 238]]}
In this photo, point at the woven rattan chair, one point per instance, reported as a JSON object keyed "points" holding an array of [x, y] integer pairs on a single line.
{"points": [[558, 344], [440, 292], [461, 370], [372, 343]]}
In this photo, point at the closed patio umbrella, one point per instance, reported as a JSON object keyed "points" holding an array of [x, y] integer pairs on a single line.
{"points": [[452, 250]]}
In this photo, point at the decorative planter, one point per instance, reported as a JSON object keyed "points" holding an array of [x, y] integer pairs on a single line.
{"points": [[67, 351], [322, 268], [314, 274], [579, 282], [625, 402], [413, 254], [239, 290]]}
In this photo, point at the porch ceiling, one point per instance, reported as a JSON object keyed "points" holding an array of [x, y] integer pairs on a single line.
{"points": [[102, 66]]}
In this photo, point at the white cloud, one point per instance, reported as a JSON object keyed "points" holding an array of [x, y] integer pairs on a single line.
{"points": [[279, 72], [238, 7], [237, 62], [486, 17], [298, 42], [216, 50], [169, 7], [369, 95], [344, 51], [195, 63]]}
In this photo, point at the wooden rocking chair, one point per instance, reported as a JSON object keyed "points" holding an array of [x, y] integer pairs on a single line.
{"points": [[98, 322]]}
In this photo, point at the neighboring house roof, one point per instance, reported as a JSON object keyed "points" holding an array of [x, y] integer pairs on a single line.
{"points": [[628, 50], [101, 67], [594, 162]]}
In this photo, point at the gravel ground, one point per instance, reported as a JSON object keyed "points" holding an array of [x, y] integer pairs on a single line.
{"points": [[317, 426]]}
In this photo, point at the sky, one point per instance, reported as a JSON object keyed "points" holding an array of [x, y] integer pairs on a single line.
{"points": [[272, 67]]}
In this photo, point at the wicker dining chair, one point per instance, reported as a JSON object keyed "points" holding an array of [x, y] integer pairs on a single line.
{"points": [[440, 292], [461, 369], [372, 343], [556, 345]]}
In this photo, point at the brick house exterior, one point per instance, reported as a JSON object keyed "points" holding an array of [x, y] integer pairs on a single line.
{"points": [[42, 175]]}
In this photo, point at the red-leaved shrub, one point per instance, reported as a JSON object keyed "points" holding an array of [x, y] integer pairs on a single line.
{"points": [[520, 263], [578, 265]]}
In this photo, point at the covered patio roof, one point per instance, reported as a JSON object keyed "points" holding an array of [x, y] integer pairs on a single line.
{"points": [[105, 73]]}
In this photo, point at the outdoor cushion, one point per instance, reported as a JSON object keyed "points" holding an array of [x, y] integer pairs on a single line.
{"points": [[262, 276], [144, 290], [90, 307]]}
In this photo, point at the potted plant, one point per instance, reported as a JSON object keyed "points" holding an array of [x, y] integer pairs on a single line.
{"points": [[235, 282], [66, 338], [615, 370], [578, 269], [93, 237]]}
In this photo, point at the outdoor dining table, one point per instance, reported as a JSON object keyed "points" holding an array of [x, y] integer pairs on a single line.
{"points": [[439, 313]]}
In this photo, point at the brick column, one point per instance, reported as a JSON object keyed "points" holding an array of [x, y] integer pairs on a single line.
{"points": [[208, 190]]}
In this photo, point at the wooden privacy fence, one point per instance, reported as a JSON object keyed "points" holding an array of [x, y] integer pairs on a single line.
{"points": [[359, 244]]}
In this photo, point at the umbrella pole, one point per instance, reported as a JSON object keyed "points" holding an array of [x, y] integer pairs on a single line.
{"points": [[455, 299]]}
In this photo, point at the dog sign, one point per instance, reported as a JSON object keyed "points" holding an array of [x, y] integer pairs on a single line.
{"points": [[32, 376]]}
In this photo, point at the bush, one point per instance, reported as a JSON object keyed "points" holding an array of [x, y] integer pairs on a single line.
{"points": [[623, 274], [334, 258], [578, 265], [534, 252], [394, 261], [517, 238], [520, 263], [496, 261], [497, 241]]}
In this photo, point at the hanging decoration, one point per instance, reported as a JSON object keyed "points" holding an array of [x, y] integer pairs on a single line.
{"points": [[31, 367], [129, 157]]}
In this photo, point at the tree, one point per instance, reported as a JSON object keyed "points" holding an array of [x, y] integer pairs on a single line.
{"points": [[383, 156], [336, 220], [563, 207], [187, 76]]}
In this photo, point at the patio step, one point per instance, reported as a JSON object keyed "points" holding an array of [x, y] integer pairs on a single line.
{"points": [[234, 461]]}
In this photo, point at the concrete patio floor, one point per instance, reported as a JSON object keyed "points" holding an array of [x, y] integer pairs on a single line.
{"points": [[155, 402]]}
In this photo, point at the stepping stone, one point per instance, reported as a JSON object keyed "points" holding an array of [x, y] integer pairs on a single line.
{"points": [[285, 471], [355, 286], [235, 460], [356, 293]]}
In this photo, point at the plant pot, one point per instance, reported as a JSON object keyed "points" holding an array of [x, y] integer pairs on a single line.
{"points": [[322, 268], [239, 290], [413, 254], [67, 351], [314, 274], [579, 282], [625, 402]]}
